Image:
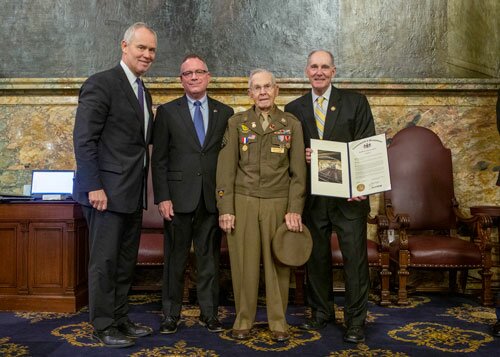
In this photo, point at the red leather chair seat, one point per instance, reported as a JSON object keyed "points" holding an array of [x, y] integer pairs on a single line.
{"points": [[337, 261], [150, 249], [439, 252]]}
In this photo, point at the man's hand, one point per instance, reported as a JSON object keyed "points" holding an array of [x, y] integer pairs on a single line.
{"points": [[293, 222], [166, 209], [98, 200], [226, 222], [308, 155], [357, 198]]}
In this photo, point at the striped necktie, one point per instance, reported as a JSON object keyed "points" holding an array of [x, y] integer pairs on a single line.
{"points": [[320, 116]]}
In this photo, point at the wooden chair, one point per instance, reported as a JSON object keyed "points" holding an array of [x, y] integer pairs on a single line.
{"points": [[378, 258], [423, 208]]}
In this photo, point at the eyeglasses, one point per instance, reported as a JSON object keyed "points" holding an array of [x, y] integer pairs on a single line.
{"points": [[198, 72], [267, 88]]}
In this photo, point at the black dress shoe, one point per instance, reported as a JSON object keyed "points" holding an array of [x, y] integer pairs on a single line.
{"points": [[496, 329], [112, 337], [314, 324], [130, 329], [169, 325], [354, 334], [212, 324]]}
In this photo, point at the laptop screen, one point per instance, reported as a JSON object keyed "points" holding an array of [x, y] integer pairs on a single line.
{"points": [[45, 182]]}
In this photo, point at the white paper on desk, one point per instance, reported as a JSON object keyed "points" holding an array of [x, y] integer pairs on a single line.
{"points": [[350, 169]]}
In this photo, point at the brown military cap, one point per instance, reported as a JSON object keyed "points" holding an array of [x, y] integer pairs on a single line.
{"points": [[292, 248]]}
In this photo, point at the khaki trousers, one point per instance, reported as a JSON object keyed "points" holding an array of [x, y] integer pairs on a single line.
{"points": [[257, 219]]}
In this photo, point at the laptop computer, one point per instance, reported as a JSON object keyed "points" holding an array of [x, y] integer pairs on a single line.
{"points": [[52, 184]]}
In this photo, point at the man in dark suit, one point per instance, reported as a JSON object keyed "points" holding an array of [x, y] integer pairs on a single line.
{"points": [[187, 138], [329, 113], [111, 135]]}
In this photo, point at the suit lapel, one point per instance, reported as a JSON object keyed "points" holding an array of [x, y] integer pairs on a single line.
{"points": [[332, 112], [308, 115], [213, 115], [187, 121], [149, 103], [129, 94]]}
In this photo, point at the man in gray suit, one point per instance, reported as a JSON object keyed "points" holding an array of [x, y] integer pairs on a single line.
{"points": [[111, 135], [187, 138]]}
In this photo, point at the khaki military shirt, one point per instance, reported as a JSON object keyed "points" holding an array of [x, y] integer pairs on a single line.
{"points": [[264, 164]]}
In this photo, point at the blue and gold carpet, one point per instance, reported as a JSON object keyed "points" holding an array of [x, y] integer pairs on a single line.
{"points": [[433, 325]]}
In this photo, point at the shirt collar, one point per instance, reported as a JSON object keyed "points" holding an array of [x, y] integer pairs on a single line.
{"points": [[203, 100], [130, 76], [271, 113], [326, 94]]}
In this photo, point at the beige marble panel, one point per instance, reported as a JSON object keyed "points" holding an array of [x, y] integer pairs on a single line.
{"points": [[37, 116]]}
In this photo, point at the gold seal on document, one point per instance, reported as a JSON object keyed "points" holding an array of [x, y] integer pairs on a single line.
{"points": [[360, 187]]}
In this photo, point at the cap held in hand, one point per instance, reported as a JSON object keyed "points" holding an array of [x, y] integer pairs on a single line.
{"points": [[292, 248]]}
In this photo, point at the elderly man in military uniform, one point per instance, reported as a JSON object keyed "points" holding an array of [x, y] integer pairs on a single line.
{"points": [[261, 178]]}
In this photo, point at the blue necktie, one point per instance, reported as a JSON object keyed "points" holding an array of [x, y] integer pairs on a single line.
{"points": [[198, 122], [140, 94]]}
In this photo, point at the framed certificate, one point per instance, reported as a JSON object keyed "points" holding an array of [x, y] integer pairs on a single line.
{"points": [[357, 168]]}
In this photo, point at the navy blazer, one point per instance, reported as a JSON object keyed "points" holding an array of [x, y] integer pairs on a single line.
{"points": [[109, 141], [181, 167], [348, 118]]}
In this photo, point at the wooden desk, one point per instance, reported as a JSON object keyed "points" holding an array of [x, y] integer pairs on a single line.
{"points": [[44, 256]]}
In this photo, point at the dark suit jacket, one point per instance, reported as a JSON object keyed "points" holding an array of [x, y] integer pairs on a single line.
{"points": [[109, 141], [181, 166], [348, 118]]}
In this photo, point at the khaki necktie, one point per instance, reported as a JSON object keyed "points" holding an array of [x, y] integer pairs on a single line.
{"points": [[320, 116], [264, 120]]}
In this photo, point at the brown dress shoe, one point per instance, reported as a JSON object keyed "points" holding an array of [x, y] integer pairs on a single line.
{"points": [[240, 334], [279, 336]]}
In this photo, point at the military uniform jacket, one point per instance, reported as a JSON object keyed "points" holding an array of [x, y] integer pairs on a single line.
{"points": [[264, 164]]}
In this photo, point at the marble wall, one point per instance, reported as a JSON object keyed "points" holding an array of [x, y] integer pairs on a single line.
{"points": [[36, 120], [37, 116], [370, 38]]}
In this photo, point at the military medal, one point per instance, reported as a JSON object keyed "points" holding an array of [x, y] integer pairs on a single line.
{"points": [[244, 141]]}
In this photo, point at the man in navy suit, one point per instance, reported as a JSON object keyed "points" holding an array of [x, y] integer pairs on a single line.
{"points": [[187, 138], [111, 135], [329, 113]]}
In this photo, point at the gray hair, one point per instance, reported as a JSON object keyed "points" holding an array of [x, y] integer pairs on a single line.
{"points": [[260, 70], [327, 52], [130, 32]]}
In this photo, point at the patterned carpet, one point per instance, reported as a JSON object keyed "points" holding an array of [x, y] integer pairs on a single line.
{"points": [[433, 325]]}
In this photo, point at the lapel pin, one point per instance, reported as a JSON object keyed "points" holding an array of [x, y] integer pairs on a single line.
{"points": [[254, 125], [215, 110], [333, 108]]}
